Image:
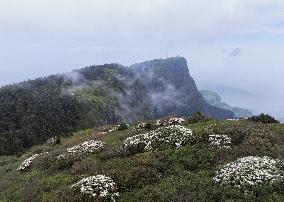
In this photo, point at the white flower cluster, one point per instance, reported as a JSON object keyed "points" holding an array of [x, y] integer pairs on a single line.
{"points": [[220, 141], [249, 171], [27, 163], [233, 119], [86, 147], [171, 121], [160, 123], [174, 121], [171, 136], [140, 126], [98, 186], [51, 140], [113, 129]]}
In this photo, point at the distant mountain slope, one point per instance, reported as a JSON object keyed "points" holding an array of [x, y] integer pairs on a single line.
{"points": [[215, 100], [36, 110]]}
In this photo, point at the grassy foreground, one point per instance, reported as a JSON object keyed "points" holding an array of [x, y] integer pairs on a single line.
{"points": [[165, 174]]}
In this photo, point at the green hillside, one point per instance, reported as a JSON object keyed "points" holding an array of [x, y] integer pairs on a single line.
{"points": [[174, 160]]}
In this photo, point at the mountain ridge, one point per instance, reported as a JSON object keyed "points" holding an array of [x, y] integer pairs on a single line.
{"points": [[97, 95]]}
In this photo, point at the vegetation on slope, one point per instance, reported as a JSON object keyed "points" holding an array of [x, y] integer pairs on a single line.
{"points": [[166, 173]]}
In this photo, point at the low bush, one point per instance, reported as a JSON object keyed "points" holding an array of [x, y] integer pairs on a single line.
{"points": [[122, 127], [197, 117], [262, 118]]}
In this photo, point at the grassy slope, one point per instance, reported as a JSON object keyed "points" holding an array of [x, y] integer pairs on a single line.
{"points": [[183, 174]]}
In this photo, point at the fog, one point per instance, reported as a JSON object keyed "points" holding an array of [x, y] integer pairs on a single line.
{"points": [[233, 47]]}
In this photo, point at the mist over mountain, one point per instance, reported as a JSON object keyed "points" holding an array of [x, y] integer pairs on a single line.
{"points": [[36, 110]]}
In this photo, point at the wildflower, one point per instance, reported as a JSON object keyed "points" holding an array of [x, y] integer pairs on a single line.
{"points": [[99, 186], [233, 119], [250, 171], [170, 136], [220, 141], [86, 147], [140, 126], [174, 121], [27, 163], [113, 129]]}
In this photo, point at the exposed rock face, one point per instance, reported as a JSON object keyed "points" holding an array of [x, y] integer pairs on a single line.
{"points": [[215, 100], [172, 89]]}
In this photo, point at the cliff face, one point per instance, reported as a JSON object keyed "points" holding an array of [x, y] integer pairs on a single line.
{"points": [[172, 90], [215, 100]]}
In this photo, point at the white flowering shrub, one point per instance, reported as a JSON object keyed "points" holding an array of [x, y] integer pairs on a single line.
{"points": [[140, 126], [113, 129], [171, 121], [250, 171], [233, 119], [160, 123], [169, 137], [51, 140], [174, 121], [220, 141], [86, 147], [28, 162], [99, 186]]}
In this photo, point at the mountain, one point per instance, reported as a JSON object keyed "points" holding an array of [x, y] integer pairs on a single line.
{"points": [[35, 110], [172, 90], [215, 100]]}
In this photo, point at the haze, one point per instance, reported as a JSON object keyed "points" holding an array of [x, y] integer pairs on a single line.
{"points": [[234, 47]]}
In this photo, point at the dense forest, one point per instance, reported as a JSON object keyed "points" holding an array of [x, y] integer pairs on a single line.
{"points": [[34, 111]]}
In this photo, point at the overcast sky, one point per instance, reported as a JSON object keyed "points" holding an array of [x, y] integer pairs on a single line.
{"points": [[229, 44]]}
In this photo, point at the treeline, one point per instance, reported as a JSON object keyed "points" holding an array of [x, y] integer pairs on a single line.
{"points": [[33, 111]]}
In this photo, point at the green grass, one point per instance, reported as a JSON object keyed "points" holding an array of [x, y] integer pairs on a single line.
{"points": [[181, 174]]}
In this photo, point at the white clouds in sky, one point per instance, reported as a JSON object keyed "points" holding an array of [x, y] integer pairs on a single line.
{"points": [[165, 20], [39, 37]]}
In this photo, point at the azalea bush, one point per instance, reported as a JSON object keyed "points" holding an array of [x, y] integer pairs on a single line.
{"points": [[86, 147], [220, 141], [247, 172], [123, 126], [28, 162], [165, 137], [141, 126], [99, 186], [170, 121]]}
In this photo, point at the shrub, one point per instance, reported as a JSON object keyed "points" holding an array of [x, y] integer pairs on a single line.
{"points": [[148, 126], [197, 117], [86, 147], [123, 126], [98, 186], [247, 172], [196, 157], [27, 163], [263, 119], [220, 141], [162, 138]]}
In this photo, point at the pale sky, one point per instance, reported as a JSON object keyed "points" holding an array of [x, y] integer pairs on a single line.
{"points": [[229, 44]]}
